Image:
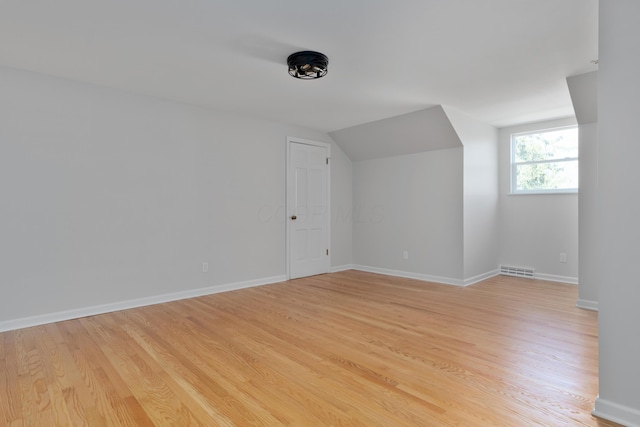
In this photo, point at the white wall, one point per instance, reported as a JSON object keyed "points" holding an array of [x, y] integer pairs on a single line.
{"points": [[535, 229], [341, 209], [619, 212], [588, 207], [108, 196], [416, 132], [410, 203], [480, 189], [583, 89]]}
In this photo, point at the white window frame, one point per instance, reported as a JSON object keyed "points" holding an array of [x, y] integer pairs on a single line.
{"points": [[513, 165]]}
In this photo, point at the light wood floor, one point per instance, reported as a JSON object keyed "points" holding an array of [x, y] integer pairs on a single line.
{"points": [[343, 349]]}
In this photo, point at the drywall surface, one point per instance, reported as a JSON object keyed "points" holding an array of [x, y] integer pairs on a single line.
{"points": [[535, 229], [416, 132], [341, 208], [480, 169], [618, 213], [584, 96], [583, 89], [108, 196], [588, 207], [410, 203]]}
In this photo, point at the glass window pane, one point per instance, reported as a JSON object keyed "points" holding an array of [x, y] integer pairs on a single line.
{"points": [[549, 145], [547, 176]]}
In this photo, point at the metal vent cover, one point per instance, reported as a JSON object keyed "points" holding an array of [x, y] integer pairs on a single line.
{"points": [[507, 270]]}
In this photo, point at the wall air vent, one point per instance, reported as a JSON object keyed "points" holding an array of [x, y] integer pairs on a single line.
{"points": [[507, 270]]}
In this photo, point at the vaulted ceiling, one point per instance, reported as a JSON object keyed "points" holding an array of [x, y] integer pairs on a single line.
{"points": [[502, 62], [410, 133]]}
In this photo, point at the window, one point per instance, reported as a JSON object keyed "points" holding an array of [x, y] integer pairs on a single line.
{"points": [[545, 161]]}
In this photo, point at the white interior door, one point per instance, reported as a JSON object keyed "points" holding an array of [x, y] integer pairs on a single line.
{"points": [[308, 208]]}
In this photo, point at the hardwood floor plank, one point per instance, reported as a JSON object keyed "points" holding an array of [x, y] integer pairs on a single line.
{"points": [[78, 387], [241, 367], [343, 349], [36, 401], [295, 353], [193, 376], [59, 388], [296, 360], [10, 404]]}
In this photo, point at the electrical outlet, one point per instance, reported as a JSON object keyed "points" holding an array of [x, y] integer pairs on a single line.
{"points": [[205, 267], [563, 257], [405, 254]]}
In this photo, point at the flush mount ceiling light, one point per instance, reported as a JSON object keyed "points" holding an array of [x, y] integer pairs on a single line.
{"points": [[307, 65]]}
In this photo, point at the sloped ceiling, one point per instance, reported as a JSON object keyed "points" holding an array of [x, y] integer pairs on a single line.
{"points": [[411, 133], [502, 62], [584, 96]]}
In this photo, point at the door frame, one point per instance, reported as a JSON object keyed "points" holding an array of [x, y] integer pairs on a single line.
{"points": [[288, 202]]}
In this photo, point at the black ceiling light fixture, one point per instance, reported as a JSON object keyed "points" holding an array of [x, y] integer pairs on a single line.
{"points": [[307, 65]]}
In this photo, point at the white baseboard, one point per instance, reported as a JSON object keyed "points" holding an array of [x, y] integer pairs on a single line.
{"points": [[339, 268], [426, 277], [556, 278], [409, 275], [617, 413], [481, 277], [25, 322], [587, 304]]}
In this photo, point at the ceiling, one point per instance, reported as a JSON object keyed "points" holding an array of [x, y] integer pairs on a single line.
{"points": [[503, 62]]}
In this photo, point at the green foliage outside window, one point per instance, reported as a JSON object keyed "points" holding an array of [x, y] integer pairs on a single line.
{"points": [[545, 161]]}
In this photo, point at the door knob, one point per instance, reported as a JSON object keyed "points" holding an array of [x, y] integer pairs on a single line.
{"points": [[293, 217]]}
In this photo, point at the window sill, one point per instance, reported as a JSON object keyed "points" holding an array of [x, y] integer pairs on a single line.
{"points": [[545, 193]]}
